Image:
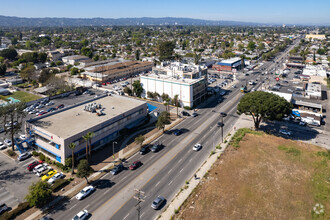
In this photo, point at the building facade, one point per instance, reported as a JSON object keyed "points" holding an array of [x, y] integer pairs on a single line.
{"points": [[228, 65]]}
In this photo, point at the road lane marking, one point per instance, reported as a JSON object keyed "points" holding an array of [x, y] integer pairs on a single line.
{"points": [[180, 160], [181, 170], [170, 182], [157, 184], [142, 214], [106, 191], [124, 177], [73, 206], [169, 171], [86, 206], [126, 216]]}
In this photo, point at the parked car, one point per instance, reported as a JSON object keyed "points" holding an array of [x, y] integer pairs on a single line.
{"points": [[40, 168], [24, 156], [194, 114], [135, 165], [32, 165], [302, 123], [41, 113], [85, 192], [157, 202], [51, 109], [145, 149], [50, 103], [2, 146], [7, 142], [177, 132], [285, 132], [49, 175], [4, 208], [60, 106], [184, 113], [55, 177], [2, 129], [197, 147], [40, 106], [156, 147], [81, 215], [117, 169], [22, 137]]}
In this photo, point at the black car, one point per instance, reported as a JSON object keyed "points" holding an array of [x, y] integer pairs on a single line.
{"points": [[117, 169], [177, 132], [185, 113], [145, 149], [156, 147], [223, 114], [4, 208]]}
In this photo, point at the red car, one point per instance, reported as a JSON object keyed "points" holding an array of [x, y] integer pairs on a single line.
{"points": [[60, 106], [103, 84], [33, 165], [41, 113], [135, 165]]}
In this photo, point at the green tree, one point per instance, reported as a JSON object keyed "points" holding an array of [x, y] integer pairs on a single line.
{"points": [[87, 52], [137, 54], [90, 135], [197, 57], [84, 43], [72, 146], [86, 138], [74, 71], [128, 91], [39, 194], [137, 88], [166, 50], [261, 46], [84, 170], [14, 41], [14, 115], [3, 68], [29, 73], [139, 140], [9, 54], [251, 46], [163, 119], [264, 106]]}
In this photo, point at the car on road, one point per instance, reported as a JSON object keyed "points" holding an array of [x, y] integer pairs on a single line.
{"points": [[223, 114], [135, 165], [24, 156], [197, 147], [49, 175], [145, 149], [117, 169], [194, 114], [55, 177], [85, 192], [81, 215], [184, 113], [285, 132], [233, 86], [157, 202], [4, 208], [156, 147], [60, 106], [32, 165], [177, 132]]}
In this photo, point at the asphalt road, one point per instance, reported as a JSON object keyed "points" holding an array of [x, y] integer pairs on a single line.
{"points": [[162, 173]]}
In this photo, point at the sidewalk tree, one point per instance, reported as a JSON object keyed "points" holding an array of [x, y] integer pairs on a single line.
{"points": [[264, 106], [90, 134], [84, 170], [163, 119], [128, 91], [39, 194], [139, 140], [12, 114], [137, 88], [72, 146]]}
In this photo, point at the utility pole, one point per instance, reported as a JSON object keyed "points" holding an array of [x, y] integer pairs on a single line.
{"points": [[140, 198], [222, 128], [113, 150]]}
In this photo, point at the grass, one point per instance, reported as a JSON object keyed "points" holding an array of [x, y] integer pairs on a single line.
{"points": [[24, 96], [240, 133]]}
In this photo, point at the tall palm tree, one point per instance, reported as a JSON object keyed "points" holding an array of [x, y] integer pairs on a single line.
{"points": [[86, 138], [72, 146], [90, 134]]}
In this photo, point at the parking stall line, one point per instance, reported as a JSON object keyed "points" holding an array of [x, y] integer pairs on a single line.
{"points": [[27, 163], [5, 192]]}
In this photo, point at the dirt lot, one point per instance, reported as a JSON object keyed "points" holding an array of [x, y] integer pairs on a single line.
{"points": [[267, 177]]}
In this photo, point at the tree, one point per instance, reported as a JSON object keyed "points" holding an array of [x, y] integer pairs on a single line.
{"points": [[9, 54], [150, 95], [72, 146], [264, 106], [3, 68], [139, 140], [163, 119], [74, 71], [84, 170], [90, 134], [13, 115], [29, 73], [87, 52], [261, 46], [39, 194], [137, 54], [251, 46], [137, 88], [166, 50], [86, 138], [175, 101], [128, 90], [197, 57], [84, 43], [14, 41]]}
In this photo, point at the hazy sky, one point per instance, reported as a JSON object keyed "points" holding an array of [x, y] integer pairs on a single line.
{"points": [[275, 11]]}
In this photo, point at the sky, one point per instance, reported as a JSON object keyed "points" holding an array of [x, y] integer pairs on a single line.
{"points": [[262, 11]]}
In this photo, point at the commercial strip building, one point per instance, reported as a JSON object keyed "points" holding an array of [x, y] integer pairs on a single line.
{"points": [[229, 65], [104, 116], [72, 60], [110, 71], [188, 81]]}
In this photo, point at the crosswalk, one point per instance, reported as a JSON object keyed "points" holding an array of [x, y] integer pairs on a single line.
{"points": [[7, 198]]}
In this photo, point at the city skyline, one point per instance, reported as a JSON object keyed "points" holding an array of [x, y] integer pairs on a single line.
{"points": [[283, 12]]}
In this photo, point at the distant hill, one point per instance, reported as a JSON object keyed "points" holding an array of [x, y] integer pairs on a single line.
{"points": [[7, 21]]}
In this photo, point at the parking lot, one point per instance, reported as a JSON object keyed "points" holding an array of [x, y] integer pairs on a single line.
{"points": [[15, 179]]}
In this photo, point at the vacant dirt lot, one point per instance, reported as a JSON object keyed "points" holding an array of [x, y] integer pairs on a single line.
{"points": [[268, 177]]}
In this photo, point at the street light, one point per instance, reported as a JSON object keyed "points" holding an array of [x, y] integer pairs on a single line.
{"points": [[113, 149]]}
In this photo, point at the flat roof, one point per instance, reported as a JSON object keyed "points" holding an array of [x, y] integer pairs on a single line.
{"points": [[230, 61], [166, 78], [76, 120]]}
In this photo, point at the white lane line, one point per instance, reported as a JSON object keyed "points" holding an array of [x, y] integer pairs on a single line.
{"points": [[181, 170], [27, 163], [157, 184], [152, 156], [142, 214], [180, 160], [169, 171], [170, 182], [72, 198], [73, 206], [106, 191], [105, 175], [86, 207], [126, 216], [190, 160]]}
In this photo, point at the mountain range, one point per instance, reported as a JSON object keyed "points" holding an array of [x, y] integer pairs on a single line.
{"points": [[8, 21]]}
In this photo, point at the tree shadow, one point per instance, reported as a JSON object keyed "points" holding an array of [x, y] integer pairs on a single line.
{"points": [[103, 184], [54, 205]]}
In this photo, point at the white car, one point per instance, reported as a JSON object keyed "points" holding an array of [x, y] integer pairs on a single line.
{"points": [[22, 137], [7, 142], [302, 123], [285, 132], [24, 156], [2, 146], [40, 168], [85, 192], [197, 147], [50, 103], [81, 215], [55, 177]]}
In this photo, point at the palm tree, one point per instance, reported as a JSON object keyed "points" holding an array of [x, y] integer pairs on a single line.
{"points": [[72, 146], [90, 134], [86, 138]]}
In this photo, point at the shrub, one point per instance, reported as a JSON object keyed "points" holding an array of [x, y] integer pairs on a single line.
{"points": [[68, 162], [187, 107], [59, 184], [59, 165], [48, 160], [42, 156], [35, 153], [22, 207], [11, 153]]}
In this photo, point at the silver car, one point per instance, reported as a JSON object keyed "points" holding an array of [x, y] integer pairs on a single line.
{"points": [[157, 202]]}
